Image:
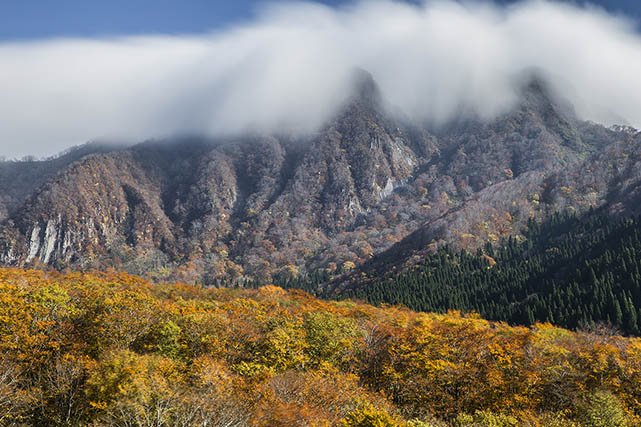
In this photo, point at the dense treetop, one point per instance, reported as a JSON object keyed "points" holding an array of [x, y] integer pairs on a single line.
{"points": [[570, 271], [112, 349]]}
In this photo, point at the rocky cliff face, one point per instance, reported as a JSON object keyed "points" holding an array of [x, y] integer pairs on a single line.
{"points": [[266, 206]]}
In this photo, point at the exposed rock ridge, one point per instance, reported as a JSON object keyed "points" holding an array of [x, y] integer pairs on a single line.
{"points": [[365, 187]]}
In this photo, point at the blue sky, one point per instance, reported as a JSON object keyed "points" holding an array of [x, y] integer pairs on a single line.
{"points": [[20, 19], [37, 19]]}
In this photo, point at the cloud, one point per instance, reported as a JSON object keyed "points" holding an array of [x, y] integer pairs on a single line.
{"points": [[290, 69]]}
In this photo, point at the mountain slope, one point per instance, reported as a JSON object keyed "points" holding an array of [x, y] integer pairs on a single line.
{"points": [[570, 271], [365, 187], [112, 349], [18, 179]]}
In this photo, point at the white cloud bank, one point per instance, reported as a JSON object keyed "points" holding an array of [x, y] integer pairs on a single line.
{"points": [[290, 69]]}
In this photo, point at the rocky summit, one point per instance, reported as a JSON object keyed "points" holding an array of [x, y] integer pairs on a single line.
{"points": [[368, 185]]}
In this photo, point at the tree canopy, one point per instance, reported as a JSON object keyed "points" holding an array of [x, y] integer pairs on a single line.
{"points": [[112, 349]]}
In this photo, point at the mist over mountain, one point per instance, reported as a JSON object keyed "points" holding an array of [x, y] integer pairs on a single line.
{"points": [[274, 207], [289, 69]]}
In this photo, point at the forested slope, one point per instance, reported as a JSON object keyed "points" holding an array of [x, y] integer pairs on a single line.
{"points": [[111, 349], [570, 271]]}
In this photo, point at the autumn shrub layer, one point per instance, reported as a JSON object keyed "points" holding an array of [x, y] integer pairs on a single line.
{"points": [[111, 349]]}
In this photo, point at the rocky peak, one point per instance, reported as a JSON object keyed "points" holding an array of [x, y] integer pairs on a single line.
{"points": [[539, 97], [365, 90]]}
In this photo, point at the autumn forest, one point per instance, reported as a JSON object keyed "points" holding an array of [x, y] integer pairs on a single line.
{"points": [[112, 349]]}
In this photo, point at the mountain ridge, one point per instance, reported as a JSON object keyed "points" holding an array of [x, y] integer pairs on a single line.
{"points": [[367, 184]]}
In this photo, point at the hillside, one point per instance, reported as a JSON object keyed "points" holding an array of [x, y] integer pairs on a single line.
{"points": [[112, 349], [572, 271], [20, 178], [274, 207]]}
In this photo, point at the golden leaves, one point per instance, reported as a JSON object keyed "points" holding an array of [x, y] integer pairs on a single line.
{"points": [[111, 348]]}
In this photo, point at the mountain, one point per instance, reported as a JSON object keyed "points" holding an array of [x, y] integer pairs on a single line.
{"points": [[569, 270], [368, 189], [18, 179]]}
